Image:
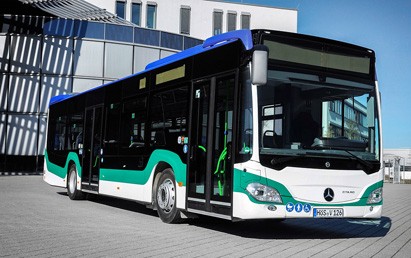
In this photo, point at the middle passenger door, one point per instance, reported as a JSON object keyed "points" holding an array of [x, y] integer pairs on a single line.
{"points": [[211, 135]]}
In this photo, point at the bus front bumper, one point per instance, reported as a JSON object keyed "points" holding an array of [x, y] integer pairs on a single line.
{"points": [[244, 208]]}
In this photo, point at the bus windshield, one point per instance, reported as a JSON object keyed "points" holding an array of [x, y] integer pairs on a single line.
{"points": [[304, 115], [319, 105]]}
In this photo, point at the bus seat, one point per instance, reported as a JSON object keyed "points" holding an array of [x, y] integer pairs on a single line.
{"points": [[268, 139], [160, 137]]}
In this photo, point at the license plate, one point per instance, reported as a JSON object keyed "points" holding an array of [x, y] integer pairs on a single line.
{"points": [[328, 213]]}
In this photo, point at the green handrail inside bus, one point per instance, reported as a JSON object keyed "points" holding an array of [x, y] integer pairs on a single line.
{"points": [[95, 161], [222, 158], [202, 148]]}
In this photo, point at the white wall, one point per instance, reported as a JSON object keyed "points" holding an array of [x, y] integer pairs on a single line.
{"points": [[201, 21]]}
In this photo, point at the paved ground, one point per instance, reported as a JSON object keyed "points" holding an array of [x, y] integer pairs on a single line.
{"points": [[39, 220]]}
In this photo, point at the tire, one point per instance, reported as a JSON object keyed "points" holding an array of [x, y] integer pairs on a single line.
{"points": [[72, 190], [166, 198]]}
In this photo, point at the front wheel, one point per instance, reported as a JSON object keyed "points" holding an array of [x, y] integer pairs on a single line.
{"points": [[166, 198], [72, 190]]}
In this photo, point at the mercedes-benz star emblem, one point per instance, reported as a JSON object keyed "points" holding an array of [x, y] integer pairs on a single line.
{"points": [[328, 194]]}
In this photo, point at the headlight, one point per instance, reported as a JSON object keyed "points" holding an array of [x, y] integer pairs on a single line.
{"points": [[264, 193], [375, 196]]}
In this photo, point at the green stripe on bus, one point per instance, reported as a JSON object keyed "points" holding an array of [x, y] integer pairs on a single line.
{"points": [[240, 176], [141, 176], [62, 171]]}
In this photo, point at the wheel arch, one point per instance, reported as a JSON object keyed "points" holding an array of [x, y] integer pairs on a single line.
{"points": [[73, 160], [69, 164]]}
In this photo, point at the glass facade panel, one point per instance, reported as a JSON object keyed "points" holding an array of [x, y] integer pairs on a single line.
{"points": [[144, 56], [4, 53], [190, 42], [57, 48], [80, 85], [119, 33], [3, 132], [27, 86], [116, 54], [52, 86], [22, 135], [59, 27], [146, 37], [23, 54], [3, 92], [169, 40], [23, 24], [88, 58], [84, 29]]}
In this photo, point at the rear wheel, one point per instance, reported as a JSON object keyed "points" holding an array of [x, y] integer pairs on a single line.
{"points": [[166, 198], [72, 190]]}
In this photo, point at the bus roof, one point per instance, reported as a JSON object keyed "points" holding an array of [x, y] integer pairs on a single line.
{"points": [[211, 43], [246, 38]]}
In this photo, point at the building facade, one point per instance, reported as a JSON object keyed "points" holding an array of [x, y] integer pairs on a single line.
{"points": [[397, 165], [200, 18], [49, 48]]}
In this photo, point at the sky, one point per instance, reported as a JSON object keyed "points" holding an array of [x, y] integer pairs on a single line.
{"points": [[381, 25]]}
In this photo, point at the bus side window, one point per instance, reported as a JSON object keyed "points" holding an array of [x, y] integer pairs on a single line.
{"points": [[133, 122], [168, 119], [75, 129], [60, 133]]}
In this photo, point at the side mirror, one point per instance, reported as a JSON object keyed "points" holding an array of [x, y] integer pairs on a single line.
{"points": [[259, 65]]}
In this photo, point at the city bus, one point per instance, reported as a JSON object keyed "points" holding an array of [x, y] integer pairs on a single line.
{"points": [[250, 124]]}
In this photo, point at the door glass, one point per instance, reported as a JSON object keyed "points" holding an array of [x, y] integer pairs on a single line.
{"points": [[92, 146], [223, 137], [198, 157], [96, 158], [87, 146]]}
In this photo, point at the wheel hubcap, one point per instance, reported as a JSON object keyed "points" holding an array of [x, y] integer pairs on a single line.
{"points": [[166, 196]]}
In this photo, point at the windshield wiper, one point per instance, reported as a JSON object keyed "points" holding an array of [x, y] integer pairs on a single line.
{"points": [[277, 161], [367, 164]]}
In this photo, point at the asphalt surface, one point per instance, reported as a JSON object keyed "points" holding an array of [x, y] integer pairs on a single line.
{"points": [[38, 220]]}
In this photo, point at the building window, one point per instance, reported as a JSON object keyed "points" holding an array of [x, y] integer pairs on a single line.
{"points": [[245, 21], [121, 9], [231, 21], [185, 20], [151, 15], [217, 22], [136, 12]]}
